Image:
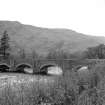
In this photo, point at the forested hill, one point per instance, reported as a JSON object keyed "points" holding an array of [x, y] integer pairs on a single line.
{"points": [[43, 39]]}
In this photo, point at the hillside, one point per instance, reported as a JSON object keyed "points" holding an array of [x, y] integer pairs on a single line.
{"points": [[43, 39]]}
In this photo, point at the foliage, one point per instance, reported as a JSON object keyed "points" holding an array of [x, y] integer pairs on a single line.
{"points": [[22, 53], [4, 46], [61, 92], [57, 54], [69, 89], [97, 52], [36, 61], [64, 91]]}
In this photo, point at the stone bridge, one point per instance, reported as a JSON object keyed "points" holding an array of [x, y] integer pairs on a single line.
{"points": [[67, 64]]}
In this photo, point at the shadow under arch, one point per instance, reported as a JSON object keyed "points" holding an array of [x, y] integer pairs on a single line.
{"points": [[4, 67], [44, 68], [78, 67], [24, 68]]}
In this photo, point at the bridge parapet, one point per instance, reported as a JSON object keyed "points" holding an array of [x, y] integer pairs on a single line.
{"points": [[8, 62], [21, 61]]}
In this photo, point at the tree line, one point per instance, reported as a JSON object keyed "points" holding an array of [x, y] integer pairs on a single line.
{"points": [[96, 52], [5, 48]]}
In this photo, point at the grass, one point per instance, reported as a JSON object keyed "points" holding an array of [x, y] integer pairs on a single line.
{"points": [[43, 89], [24, 89]]}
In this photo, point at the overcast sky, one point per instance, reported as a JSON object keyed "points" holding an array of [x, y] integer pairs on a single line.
{"points": [[85, 16]]}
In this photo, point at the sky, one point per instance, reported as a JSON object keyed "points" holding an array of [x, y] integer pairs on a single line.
{"points": [[84, 16]]}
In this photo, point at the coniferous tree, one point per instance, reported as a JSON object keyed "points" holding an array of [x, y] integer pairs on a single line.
{"points": [[4, 46]]}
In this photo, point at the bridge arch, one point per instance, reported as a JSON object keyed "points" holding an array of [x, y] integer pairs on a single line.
{"points": [[4, 67], [24, 68], [51, 69]]}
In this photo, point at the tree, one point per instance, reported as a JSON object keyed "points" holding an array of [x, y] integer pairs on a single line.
{"points": [[36, 61], [22, 53], [96, 52], [4, 46], [57, 54]]}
